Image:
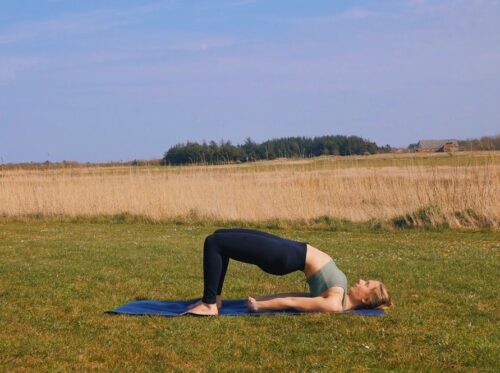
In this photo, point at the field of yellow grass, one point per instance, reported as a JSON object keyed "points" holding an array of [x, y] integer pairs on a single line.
{"points": [[459, 190]]}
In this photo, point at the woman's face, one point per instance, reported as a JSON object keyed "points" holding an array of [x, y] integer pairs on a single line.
{"points": [[362, 289]]}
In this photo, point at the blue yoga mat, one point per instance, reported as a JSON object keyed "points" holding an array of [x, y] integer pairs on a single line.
{"points": [[229, 308]]}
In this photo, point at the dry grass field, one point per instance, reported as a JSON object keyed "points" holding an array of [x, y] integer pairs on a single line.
{"points": [[459, 190]]}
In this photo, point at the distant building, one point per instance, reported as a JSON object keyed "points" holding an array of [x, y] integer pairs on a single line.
{"points": [[433, 146]]}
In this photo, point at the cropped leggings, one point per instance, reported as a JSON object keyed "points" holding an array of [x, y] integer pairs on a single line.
{"points": [[273, 254]]}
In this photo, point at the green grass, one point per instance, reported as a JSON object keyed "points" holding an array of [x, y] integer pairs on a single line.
{"points": [[58, 278]]}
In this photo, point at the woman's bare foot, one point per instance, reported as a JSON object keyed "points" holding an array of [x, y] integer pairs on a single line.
{"points": [[218, 302], [252, 304], [204, 309]]}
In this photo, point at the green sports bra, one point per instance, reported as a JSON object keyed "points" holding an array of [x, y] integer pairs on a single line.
{"points": [[328, 276]]}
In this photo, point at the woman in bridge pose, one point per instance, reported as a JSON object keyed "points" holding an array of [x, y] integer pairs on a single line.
{"points": [[280, 256]]}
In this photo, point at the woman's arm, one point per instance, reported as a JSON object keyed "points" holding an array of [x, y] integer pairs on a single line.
{"points": [[282, 295], [309, 304]]}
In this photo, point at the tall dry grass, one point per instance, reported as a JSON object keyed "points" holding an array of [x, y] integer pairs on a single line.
{"points": [[458, 195]]}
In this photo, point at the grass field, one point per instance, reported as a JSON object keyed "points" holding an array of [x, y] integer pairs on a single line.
{"points": [[57, 279]]}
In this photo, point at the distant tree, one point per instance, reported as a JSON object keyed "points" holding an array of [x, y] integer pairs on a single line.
{"points": [[286, 147], [483, 143], [250, 150]]}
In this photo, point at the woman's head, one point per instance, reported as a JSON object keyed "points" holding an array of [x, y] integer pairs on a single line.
{"points": [[370, 294]]}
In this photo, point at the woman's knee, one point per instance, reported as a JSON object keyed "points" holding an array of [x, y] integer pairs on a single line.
{"points": [[220, 236], [209, 242], [223, 231]]}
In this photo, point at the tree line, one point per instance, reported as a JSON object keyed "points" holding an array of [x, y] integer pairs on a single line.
{"points": [[483, 143], [287, 147]]}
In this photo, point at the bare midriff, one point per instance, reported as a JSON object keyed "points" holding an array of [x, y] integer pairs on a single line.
{"points": [[315, 260]]}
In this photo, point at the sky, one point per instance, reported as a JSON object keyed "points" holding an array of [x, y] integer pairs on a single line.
{"points": [[117, 80]]}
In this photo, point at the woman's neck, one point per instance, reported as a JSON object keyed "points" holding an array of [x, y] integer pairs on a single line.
{"points": [[351, 303]]}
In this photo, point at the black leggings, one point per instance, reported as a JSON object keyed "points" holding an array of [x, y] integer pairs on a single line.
{"points": [[273, 254]]}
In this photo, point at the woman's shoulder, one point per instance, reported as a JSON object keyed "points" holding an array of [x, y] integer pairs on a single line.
{"points": [[335, 296]]}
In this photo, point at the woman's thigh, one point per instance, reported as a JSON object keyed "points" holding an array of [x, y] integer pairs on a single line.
{"points": [[271, 253]]}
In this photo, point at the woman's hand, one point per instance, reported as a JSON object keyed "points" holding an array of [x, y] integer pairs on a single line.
{"points": [[252, 304]]}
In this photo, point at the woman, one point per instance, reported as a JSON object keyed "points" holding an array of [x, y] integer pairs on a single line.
{"points": [[279, 256]]}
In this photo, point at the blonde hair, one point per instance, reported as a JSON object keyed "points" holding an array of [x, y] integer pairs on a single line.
{"points": [[379, 298]]}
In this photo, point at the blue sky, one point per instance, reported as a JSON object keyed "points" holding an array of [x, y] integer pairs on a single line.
{"points": [[117, 80]]}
